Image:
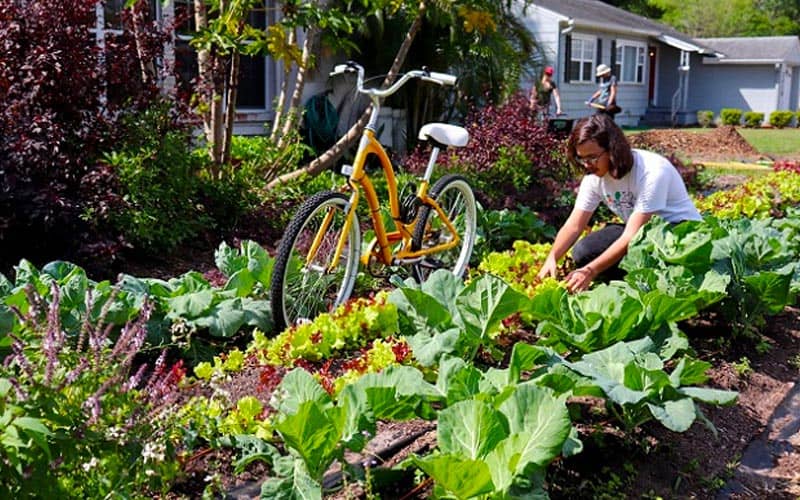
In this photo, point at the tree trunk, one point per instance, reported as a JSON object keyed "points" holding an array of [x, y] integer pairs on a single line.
{"points": [[230, 107], [137, 12], [276, 123], [205, 76], [216, 118], [351, 136], [293, 113]]}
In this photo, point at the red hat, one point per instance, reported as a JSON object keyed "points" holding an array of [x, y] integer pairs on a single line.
{"points": [[548, 70]]}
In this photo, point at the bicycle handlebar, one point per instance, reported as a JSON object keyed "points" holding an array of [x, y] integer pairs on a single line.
{"points": [[423, 74]]}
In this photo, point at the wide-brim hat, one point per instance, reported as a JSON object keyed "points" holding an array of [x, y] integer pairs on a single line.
{"points": [[602, 70]]}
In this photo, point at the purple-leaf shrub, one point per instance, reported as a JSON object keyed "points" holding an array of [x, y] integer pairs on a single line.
{"points": [[59, 112], [495, 131]]}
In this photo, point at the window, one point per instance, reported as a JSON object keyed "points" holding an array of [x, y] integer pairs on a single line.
{"points": [[581, 63], [252, 92], [629, 66]]}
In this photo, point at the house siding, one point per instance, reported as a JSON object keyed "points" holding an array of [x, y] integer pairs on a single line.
{"points": [[794, 97], [631, 97], [544, 25], [747, 87]]}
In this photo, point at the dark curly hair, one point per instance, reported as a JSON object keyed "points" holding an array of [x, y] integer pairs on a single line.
{"points": [[602, 129]]}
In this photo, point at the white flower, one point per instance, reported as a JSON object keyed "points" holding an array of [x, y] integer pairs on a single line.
{"points": [[91, 464], [153, 452]]}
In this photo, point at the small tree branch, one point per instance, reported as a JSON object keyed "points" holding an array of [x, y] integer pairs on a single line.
{"points": [[351, 136]]}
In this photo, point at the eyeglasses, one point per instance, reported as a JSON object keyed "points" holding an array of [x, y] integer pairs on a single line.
{"points": [[587, 161]]}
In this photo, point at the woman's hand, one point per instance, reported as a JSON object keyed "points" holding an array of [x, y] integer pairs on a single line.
{"points": [[580, 279], [549, 268]]}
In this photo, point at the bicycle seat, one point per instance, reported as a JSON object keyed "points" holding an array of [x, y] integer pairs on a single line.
{"points": [[444, 133]]}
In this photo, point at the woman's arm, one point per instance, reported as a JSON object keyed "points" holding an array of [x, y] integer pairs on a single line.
{"points": [[566, 237], [612, 95], [580, 279], [558, 101], [533, 97]]}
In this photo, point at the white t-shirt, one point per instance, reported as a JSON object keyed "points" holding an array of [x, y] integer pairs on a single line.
{"points": [[652, 186]]}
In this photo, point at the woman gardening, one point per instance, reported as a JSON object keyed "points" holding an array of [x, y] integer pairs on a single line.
{"points": [[634, 184]]}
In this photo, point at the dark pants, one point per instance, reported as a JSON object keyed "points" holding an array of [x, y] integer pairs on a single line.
{"points": [[593, 244]]}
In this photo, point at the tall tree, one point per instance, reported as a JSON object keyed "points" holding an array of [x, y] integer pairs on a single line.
{"points": [[721, 18]]}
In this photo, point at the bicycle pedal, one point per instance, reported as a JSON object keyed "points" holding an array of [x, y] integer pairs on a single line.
{"points": [[430, 264]]}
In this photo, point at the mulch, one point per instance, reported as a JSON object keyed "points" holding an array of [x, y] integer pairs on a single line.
{"points": [[721, 143]]}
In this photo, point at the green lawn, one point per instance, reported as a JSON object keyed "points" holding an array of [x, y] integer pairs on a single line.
{"points": [[773, 141]]}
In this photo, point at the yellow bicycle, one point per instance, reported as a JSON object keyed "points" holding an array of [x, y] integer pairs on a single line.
{"points": [[434, 228]]}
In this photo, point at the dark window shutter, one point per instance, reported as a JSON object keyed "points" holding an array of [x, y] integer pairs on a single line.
{"points": [[614, 55], [599, 52], [567, 56]]}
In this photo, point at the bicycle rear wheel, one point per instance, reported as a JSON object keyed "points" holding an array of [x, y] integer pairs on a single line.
{"points": [[454, 195], [303, 287]]}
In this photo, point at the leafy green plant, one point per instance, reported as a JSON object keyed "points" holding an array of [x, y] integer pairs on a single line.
{"points": [[770, 195], [705, 118], [780, 118], [159, 182], [183, 306], [350, 326], [757, 260], [639, 389], [753, 119], [762, 264], [730, 116], [498, 229], [452, 318], [317, 430], [499, 449], [519, 266], [610, 313], [742, 367]]}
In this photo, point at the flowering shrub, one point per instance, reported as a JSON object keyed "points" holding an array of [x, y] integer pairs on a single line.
{"points": [[76, 418], [509, 155]]}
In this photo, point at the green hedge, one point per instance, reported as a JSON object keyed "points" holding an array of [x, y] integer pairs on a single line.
{"points": [[780, 118], [730, 116], [753, 119], [705, 118]]}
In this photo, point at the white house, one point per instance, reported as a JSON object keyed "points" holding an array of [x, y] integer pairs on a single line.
{"points": [[654, 64]]}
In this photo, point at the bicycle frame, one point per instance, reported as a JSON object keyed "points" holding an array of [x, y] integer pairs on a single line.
{"points": [[359, 180]]}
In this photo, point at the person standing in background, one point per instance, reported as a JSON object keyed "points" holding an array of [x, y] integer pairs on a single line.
{"points": [[605, 98], [543, 92]]}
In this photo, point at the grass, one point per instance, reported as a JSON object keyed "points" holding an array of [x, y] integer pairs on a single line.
{"points": [[773, 142]]}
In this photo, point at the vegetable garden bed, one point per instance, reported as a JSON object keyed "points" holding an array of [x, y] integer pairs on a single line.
{"points": [[529, 389]]}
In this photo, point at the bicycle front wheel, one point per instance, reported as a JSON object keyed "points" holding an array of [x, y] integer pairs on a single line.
{"points": [[305, 279], [456, 199]]}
